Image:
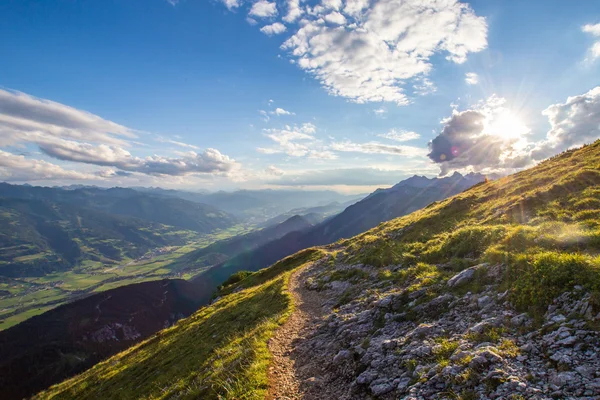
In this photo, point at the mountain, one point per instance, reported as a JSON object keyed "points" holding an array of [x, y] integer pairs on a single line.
{"points": [[316, 214], [382, 205], [71, 338], [491, 293], [260, 205], [162, 209], [40, 237], [225, 249]]}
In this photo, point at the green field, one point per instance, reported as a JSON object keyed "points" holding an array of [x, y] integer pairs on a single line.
{"points": [[22, 298]]}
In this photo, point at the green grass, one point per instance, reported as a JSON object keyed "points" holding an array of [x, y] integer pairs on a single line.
{"points": [[218, 353], [543, 224], [18, 318]]}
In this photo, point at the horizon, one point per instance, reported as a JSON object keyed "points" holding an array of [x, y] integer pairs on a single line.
{"points": [[234, 190], [348, 96]]}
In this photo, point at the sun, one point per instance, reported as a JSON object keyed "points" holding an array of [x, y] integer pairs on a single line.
{"points": [[507, 125]]}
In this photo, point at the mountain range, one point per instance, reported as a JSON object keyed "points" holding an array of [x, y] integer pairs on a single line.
{"points": [[72, 335], [382, 205], [490, 293]]}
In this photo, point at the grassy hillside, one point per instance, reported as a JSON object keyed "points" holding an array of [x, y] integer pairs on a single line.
{"points": [[542, 225], [219, 352]]}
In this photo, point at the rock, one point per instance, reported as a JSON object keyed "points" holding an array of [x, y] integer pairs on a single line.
{"points": [[483, 301], [495, 374], [479, 362], [527, 348], [519, 320], [464, 277], [563, 378], [417, 294], [403, 384], [491, 355], [459, 355], [338, 286], [366, 377], [423, 330], [342, 356], [389, 344], [422, 351], [440, 301], [568, 341], [587, 371], [381, 386], [385, 302], [557, 319]]}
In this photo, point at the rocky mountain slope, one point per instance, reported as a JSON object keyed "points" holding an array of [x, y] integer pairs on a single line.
{"points": [[69, 339], [490, 294]]}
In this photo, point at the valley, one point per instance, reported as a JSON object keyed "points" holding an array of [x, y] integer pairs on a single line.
{"points": [[24, 297]]}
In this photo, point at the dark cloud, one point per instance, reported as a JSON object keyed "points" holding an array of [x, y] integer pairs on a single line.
{"points": [[462, 144]]}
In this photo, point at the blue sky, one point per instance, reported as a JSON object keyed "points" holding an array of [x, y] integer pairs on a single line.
{"points": [[185, 94]]}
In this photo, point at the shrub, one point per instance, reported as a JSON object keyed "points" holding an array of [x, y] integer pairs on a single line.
{"points": [[538, 279], [236, 277]]}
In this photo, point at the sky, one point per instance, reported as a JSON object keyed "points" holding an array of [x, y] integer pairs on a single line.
{"points": [[348, 95]]}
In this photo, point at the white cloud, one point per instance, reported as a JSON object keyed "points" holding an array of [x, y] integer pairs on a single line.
{"points": [[594, 30], [333, 4], [263, 9], [423, 86], [322, 155], [210, 161], [68, 134], [265, 115], [354, 8], [274, 171], [294, 11], [295, 141], [380, 111], [471, 78], [335, 18], [573, 123], [20, 169], [400, 136], [251, 21], [378, 148], [177, 143], [23, 116], [382, 47], [273, 29], [280, 111], [231, 4]]}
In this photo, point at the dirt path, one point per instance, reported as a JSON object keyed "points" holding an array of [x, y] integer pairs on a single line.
{"points": [[286, 373]]}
